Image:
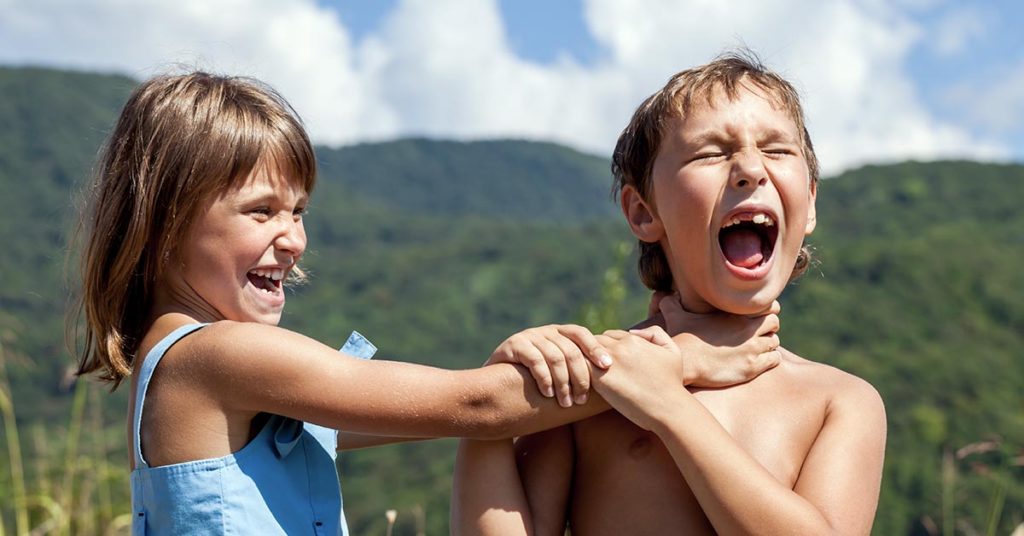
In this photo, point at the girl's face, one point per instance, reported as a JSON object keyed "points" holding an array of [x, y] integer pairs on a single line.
{"points": [[239, 251]]}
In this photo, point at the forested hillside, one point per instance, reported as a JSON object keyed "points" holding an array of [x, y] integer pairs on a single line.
{"points": [[438, 250]]}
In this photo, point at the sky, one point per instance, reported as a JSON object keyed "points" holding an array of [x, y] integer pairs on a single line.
{"points": [[882, 80]]}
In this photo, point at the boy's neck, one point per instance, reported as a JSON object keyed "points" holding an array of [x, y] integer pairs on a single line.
{"points": [[694, 303]]}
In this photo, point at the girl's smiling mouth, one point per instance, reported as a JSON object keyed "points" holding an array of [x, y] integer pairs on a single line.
{"points": [[747, 241], [268, 283]]}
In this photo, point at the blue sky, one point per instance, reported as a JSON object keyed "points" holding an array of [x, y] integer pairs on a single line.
{"points": [[882, 80]]}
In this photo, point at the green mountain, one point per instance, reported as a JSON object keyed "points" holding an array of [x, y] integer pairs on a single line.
{"points": [[504, 180], [439, 250]]}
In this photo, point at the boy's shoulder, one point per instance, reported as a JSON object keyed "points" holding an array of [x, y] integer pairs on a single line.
{"points": [[836, 385]]}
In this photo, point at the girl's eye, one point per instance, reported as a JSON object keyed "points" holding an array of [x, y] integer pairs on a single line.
{"points": [[261, 212], [299, 211]]}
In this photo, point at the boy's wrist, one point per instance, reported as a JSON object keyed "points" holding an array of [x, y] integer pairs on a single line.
{"points": [[668, 409]]}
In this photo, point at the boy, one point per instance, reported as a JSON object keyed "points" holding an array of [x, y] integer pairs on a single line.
{"points": [[717, 179]]}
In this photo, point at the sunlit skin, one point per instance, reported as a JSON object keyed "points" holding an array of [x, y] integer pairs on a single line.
{"points": [[257, 226], [797, 450], [205, 396], [718, 160], [210, 387]]}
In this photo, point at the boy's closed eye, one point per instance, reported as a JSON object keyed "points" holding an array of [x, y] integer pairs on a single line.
{"points": [[778, 151], [708, 155]]}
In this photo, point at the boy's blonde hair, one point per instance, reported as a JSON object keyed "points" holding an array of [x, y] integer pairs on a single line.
{"points": [[180, 141], [637, 147]]}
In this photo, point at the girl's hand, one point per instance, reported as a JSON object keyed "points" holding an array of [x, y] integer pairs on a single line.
{"points": [[556, 356], [722, 349]]}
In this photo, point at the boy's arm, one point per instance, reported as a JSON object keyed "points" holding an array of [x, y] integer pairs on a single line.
{"points": [[492, 496], [487, 495], [354, 441], [836, 492], [546, 462]]}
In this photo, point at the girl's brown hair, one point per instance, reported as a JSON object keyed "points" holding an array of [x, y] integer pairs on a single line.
{"points": [[180, 141], [637, 147]]}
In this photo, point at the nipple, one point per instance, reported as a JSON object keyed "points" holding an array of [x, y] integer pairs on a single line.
{"points": [[640, 448]]}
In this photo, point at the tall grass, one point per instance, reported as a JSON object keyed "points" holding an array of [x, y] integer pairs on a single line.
{"points": [[71, 489], [20, 502]]}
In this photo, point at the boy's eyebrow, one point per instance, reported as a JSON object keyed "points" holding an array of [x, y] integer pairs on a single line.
{"points": [[719, 137], [775, 134], [708, 136]]}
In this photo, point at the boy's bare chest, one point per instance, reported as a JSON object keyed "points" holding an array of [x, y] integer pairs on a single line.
{"points": [[625, 469]]}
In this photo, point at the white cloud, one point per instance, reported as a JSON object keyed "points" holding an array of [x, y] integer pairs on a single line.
{"points": [[846, 57], [995, 103], [957, 28], [445, 67]]}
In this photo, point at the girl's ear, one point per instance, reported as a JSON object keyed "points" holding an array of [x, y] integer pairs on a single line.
{"points": [[643, 221]]}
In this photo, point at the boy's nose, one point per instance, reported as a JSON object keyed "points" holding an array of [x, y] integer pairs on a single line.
{"points": [[748, 170]]}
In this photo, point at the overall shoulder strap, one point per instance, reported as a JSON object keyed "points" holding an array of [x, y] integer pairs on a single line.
{"points": [[142, 383]]}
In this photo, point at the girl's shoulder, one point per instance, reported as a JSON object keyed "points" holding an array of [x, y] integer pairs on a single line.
{"points": [[224, 353], [224, 339], [212, 332]]}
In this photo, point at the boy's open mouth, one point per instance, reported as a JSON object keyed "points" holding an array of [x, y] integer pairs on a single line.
{"points": [[266, 280], [748, 239]]}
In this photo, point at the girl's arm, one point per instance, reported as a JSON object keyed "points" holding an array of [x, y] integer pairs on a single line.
{"points": [[836, 492], [250, 367], [555, 357]]}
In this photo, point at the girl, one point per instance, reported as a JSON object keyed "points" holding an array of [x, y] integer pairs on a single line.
{"points": [[195, 223]]}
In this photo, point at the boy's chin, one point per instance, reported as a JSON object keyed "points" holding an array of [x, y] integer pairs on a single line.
{"points": [[745, 304]]}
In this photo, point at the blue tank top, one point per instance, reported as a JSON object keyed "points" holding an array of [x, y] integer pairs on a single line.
{"points": [[284, 481]]}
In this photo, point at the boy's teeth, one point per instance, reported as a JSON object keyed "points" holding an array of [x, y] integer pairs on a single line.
{"points": [[759, 218]]}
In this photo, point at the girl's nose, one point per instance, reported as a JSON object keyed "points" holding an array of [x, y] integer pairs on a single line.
{"points": [[292, 239]]}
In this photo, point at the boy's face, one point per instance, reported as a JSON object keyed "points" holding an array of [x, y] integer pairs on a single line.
{"points": [[730, 204]]}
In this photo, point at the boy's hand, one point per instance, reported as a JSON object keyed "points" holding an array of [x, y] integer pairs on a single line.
{"points": [[557, 358], [648, 365], [722, 349]]}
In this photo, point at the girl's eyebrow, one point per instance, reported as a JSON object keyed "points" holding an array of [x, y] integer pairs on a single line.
{"points": [[270, 196]]}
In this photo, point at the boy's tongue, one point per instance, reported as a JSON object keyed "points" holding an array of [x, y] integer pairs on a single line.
{"points": [[742, 247]]}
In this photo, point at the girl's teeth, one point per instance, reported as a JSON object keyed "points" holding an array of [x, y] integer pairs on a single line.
{"points": [[276, 275], [759, 219]]}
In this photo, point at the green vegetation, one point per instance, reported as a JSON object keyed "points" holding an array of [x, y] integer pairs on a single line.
{"points": [[439, 250]]}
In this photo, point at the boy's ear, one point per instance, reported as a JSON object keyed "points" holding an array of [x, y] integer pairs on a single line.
{"points": [[645, 224], [812, 213]]}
